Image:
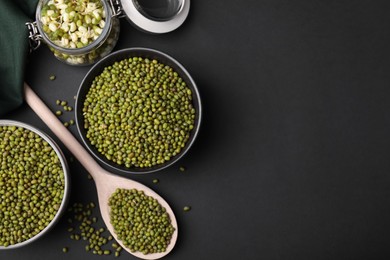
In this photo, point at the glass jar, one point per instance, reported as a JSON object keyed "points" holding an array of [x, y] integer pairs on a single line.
{"points": [[79, 53], [153, 16]]}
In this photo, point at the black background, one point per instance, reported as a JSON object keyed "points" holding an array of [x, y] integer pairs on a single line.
{"points": [[292, 160]]}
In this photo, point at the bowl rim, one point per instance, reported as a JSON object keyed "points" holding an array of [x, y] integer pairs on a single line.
{"points": [[119, 55], [65, 169]]}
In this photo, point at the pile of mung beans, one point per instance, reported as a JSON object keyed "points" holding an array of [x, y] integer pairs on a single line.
{"points": [[138, 113], [31, 184], [140, 222], [83, 226]]}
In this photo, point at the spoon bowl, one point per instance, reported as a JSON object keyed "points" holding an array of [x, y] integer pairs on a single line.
{"points": [[106, 182]]}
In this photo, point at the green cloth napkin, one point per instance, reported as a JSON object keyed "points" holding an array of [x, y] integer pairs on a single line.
{"points": [[14, 48]]}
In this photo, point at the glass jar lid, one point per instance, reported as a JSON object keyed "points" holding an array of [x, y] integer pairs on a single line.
{"points": [[156, 16]]}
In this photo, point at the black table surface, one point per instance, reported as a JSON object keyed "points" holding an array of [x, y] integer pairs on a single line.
{"points": [[292, 160]]}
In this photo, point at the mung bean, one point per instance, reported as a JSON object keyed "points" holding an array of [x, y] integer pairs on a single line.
{"points": [[138, 113], [31, 184], [139, 221], [84, 220]]}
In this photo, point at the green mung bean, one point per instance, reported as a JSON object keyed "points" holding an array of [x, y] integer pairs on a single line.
{"points": [[138, 113], [84, 228], [31, 184], [140, 222]]}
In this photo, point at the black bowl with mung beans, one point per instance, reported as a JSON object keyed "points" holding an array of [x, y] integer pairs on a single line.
{"points": [[34, 184], [138, 110]]}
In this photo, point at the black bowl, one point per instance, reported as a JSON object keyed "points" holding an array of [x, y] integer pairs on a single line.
{"points": [[98, 69]]}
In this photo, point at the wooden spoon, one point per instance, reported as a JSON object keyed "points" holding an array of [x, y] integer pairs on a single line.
{"points": [[106, 183]]}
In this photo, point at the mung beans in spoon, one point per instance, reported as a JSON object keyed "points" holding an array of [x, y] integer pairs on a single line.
{"points": [[106, 183]]}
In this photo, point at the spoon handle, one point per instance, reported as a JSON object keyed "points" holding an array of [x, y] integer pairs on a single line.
{"points": [[61, 131]]}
